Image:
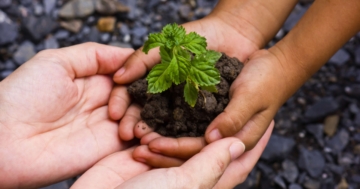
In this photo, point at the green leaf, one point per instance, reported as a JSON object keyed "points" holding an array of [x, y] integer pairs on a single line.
{"points": [[165, 55], [178, 70], [174, 35], [195, 43], [154, 40], [211, 88], [157, 78], [204, 73], [212, 56], [190, 93]]}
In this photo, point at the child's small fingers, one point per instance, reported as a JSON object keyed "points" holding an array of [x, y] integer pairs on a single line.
{"points": [[255, 128], [118, 102], [146, 139], [128, 122], [183, 148], [143, 154], [141, 129]]}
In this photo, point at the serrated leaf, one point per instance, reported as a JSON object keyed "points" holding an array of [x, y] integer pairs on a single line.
{"points": [[211, 88], [190, 93], [194, 43], [212, 56], [204, 73], [174, 35], [157, 78], [165, 55], [154, 40], [178, 70]]}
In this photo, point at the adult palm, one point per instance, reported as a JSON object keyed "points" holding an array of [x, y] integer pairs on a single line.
{"points": [[54, 121]]}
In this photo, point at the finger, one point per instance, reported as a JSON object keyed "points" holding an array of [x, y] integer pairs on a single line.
{"points": [[255, 128], [183, 148], [247, 103], [206, 167], [141, 129], [111, 171], [88, 59], [119, 102], [145, 140], [239, 169], [128, 122], [144, 155], [136, 66]]}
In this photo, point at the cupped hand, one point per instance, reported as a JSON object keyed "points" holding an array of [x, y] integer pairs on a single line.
{"points": [[54, 121], [218, 165]]}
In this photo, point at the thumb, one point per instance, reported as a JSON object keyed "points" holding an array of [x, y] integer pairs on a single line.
{"points": [[136, 66], [201, 171], [88, 59]]}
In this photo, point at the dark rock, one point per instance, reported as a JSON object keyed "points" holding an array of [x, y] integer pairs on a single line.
{"points": [[39, 47], [25, 2], [5, 73], [290, 171], [51, 43], [62, 34], [346, 159], [124, 29], [295, 186], [340, 58], [354, 108], [339, 141], [9, 65], [38, 9], [280, 181], [5, 3], [317, 131], [77, 9], [49, 6], [265, 169], [357, 120], [278, 148], [338, 170], [356, 137], [93, 35], [321, 108], [251, 181], [8, 33], [25, 51], [353, 90], [13, 10], [185, 11], [139, 32], [294, 17], [39, 27], [105, 37], [356, 178], [202, 12], [357, 55], [4, 17], [312, 161], [91, 20]]}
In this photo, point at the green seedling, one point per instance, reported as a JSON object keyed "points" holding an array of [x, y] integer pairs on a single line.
{"points": [[184, 58]]}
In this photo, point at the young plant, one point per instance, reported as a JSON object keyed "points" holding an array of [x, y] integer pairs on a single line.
{"points": [[184, 58]]}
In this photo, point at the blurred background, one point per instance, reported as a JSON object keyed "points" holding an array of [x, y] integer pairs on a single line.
{"points": [[316, 141]]}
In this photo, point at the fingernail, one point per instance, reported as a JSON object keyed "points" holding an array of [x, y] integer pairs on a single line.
{"points": [[120, 72], [236, 149], [215, 135], [140, 160]]}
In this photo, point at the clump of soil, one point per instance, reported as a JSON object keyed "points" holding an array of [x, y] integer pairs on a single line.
{"points": [[170, 115]]}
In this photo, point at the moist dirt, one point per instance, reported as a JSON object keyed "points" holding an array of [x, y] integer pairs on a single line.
{"points": [[168, 113]]}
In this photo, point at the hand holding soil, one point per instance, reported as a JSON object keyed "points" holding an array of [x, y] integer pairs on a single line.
{"points": [[139, 63]]}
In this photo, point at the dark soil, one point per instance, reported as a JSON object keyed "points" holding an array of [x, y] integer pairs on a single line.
{"points": [[170, 115]]}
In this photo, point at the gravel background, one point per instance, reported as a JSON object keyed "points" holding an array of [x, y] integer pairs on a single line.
{"points": [[316, 139]]}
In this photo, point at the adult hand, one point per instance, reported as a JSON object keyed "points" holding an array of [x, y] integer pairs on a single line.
{"points": [[54, 121], [218, 165]]}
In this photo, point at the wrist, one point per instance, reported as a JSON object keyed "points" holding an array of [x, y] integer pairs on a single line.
{"points": [[257, 20]]}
